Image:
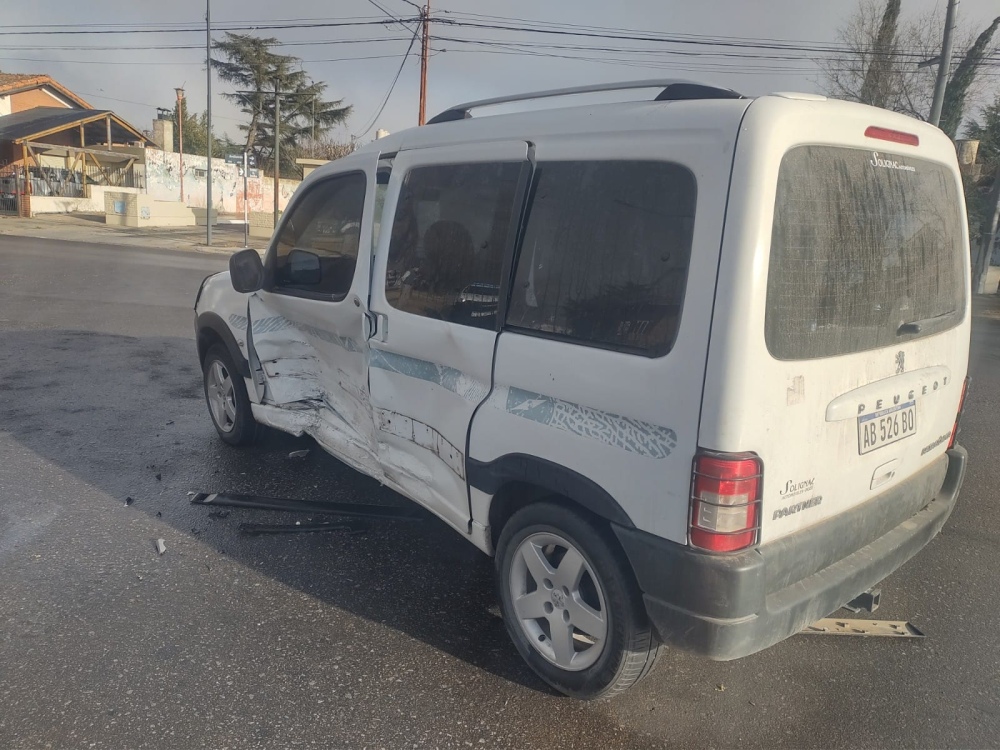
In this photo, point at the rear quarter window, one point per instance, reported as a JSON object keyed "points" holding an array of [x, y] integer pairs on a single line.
{"points": [[605, 254], [866, 252]]}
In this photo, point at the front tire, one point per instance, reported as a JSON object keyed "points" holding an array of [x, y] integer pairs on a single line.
{"points": [[226, 396], [571, 604]]}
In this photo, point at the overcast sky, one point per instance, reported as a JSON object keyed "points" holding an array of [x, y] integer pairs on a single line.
{"points": [[126, 72]]}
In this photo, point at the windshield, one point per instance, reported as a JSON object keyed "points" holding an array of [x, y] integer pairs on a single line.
{"points": [[866, 252]]}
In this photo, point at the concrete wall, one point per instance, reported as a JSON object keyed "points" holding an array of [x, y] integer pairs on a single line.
{"points": [[163, 183], [94, 203], [139, 210], [262, 224]]}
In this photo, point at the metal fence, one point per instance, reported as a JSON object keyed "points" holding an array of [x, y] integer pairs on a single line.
{"points": [[71, 183], [11, 184]]}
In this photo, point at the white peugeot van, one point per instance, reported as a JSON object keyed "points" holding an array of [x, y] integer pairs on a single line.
{"points": [[689, 368]]}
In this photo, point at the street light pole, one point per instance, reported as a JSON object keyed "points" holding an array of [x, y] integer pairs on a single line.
{"points": [[277, 148], [208, 74], [246, 209], [180, 138]]}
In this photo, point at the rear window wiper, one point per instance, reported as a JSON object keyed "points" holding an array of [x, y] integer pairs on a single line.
{"points": [[916, 326]]}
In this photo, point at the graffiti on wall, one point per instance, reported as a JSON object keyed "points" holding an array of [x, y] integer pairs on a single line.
{"points": [[163, 182]]}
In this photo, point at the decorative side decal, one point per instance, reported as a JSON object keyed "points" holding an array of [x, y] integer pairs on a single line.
{"points": [[632, 435], [456, 381]]}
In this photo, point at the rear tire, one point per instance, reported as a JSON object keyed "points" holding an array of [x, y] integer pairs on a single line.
{"points": [[226, 396], [571, 604]]}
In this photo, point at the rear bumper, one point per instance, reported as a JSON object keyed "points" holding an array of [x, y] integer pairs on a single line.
{"points": [[730, 606]]}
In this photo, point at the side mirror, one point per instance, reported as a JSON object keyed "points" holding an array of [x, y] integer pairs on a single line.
{"points": [[246, 272], [303, 268]]}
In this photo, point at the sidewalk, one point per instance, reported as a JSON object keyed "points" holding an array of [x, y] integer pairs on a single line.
{"points": [[91, 228]]}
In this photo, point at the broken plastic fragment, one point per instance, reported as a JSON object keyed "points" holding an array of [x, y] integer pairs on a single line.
{"points": [[129, 501], [160, 546], [298, 454]]}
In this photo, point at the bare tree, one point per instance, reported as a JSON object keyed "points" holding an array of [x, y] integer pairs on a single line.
{"points": [[882, 50]]}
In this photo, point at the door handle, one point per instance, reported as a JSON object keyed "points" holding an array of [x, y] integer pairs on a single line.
{"points": [[381, 331]]}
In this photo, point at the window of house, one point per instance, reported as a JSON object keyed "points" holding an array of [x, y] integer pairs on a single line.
{"points": [[448, 238], [317, 249], [605, 254]]}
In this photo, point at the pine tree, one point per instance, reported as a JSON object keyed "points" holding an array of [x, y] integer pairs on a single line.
{"points": [[196, 134], [250, 65]]}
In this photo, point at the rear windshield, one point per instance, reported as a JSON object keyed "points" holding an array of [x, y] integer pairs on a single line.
{"points": [[866, 252]]}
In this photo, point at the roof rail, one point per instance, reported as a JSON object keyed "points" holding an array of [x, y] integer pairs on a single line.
{"points": [[673, 90]]}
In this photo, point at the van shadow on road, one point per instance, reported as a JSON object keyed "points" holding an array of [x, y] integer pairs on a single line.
{"points": [[116, 411]]}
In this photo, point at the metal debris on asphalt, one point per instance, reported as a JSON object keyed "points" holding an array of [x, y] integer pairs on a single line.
{"points": [[129, 501], [299, 454], [329, 507], [158, 476], [161, 547], [843, 626], [256, 529]]}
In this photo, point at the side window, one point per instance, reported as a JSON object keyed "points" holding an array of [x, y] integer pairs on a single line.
{"points": [[448, 240], [605, 254], [317, 249]]}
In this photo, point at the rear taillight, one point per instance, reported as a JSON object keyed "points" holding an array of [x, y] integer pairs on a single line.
{"points": [[894, 136], [725, 501], [958, 417]]}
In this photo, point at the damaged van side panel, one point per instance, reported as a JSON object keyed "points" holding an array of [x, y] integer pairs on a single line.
{"points": [[312, 349], [316, 378]]}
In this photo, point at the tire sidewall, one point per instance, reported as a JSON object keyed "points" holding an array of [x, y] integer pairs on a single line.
{"points": [[599, 678]]}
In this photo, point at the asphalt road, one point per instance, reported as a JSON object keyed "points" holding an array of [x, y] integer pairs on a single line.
{"points": [[387, 639]]}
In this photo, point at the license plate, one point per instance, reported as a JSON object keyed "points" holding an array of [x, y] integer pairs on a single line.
{"points": [[886, 426]]}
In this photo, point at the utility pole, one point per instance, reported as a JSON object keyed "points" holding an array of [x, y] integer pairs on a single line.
{"points": [[425, 16], [180, 138], [208, 73], [277, 148], [944, 66]]}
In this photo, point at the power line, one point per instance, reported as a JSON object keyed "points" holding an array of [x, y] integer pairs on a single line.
{"points": [[388, 93], [217, 27]]}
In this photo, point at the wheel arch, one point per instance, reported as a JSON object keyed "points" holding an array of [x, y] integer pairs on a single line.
{"points": [[212, 329], [517, 480]]}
